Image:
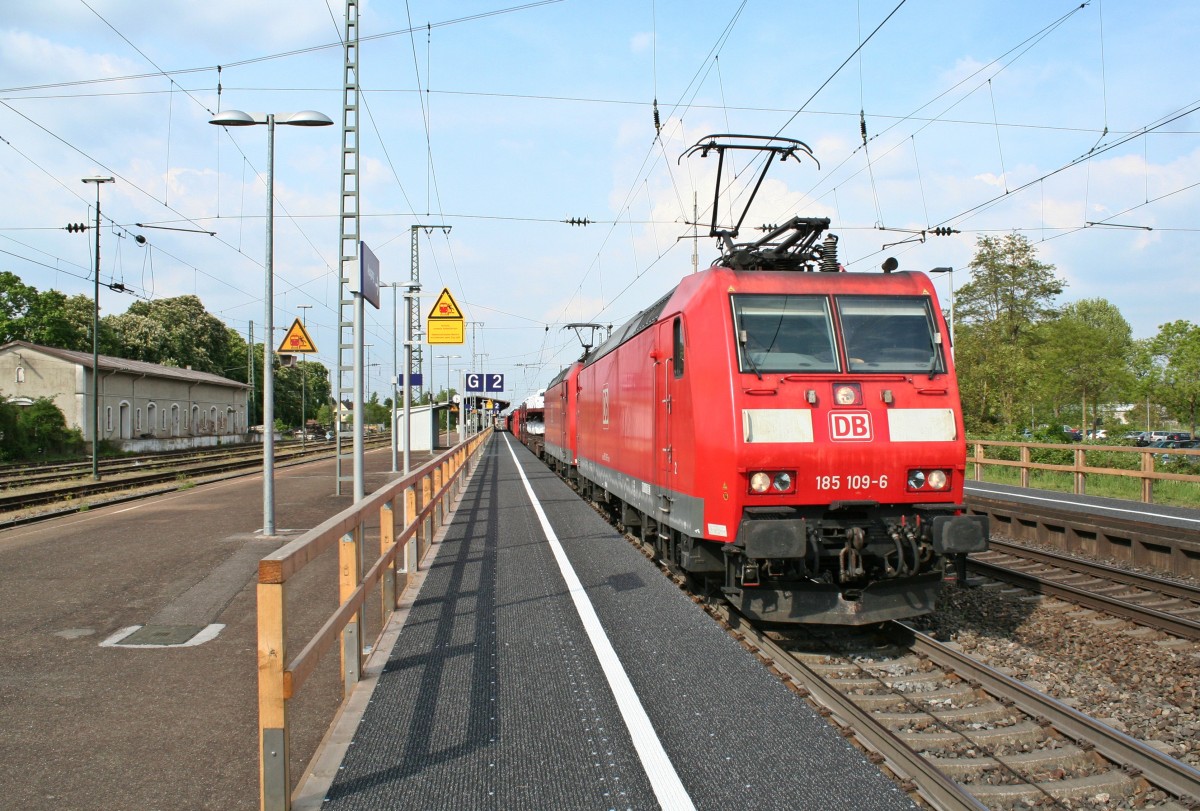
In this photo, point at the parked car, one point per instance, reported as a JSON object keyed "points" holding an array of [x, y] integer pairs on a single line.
{"points": [[1099, 433], [1179, 435], [1150, 437], [1178, 443]]}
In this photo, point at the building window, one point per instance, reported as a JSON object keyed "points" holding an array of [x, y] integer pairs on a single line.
{"points": [[20, 374], [108, 418], [137, 421]]}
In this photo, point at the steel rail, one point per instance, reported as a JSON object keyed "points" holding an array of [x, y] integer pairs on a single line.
{"points": [[1167, 773], [1179, 626], [1098, 570], [240, 463], [936, 788]]}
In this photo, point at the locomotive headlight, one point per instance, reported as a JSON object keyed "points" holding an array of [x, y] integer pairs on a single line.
{"points": [[928, 479], [778, 481], [760, 481], [847, 395]]}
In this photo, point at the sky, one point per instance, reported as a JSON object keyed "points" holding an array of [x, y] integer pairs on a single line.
{"points": [[504, 121]]}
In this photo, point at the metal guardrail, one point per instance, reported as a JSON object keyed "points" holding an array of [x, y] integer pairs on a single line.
{"points": [[425, 498], [1080, 470]]}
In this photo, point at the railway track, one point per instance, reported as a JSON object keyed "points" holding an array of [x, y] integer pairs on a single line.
{"points": [[63, 490], [957, 733], [1165, 605], [960, 734], [24, 476]]}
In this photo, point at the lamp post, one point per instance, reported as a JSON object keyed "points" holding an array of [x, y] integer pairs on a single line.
{"points": [[951, 272], [237, 118], [96, 337]]}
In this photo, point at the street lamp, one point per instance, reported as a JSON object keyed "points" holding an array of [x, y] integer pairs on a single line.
{"points": [[237, 118], [96, 337], [951, 272]]}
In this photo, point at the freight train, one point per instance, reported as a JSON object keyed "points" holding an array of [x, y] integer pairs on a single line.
{"points": [[780, 430]]}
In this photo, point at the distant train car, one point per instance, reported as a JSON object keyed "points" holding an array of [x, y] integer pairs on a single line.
{"points": [[530, 422], [559, 419], [794, 437]]}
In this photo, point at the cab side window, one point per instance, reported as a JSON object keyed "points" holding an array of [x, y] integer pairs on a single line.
{"points": [[677, 333]]}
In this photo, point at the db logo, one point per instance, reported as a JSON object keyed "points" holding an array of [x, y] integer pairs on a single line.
{"points": [[850, 426]]}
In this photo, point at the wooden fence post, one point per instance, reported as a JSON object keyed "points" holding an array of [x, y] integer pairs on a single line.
{"points": [[387, 539], [350, 571], [426, 525], [411, 561], [274, 776]]}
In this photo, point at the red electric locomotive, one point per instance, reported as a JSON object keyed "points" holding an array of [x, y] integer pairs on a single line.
{"points": [[787, 431], [560, 411]]}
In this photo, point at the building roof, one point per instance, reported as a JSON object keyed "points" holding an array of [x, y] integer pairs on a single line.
{"points": [[137, 367]]}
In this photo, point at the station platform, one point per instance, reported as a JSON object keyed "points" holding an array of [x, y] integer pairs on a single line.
{"points": [[545, 663]]}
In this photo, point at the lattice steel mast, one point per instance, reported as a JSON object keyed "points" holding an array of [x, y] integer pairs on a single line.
{"points": [[348, 244]]}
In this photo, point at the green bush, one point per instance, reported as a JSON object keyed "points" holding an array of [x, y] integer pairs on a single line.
{"points": [[37, 431]]}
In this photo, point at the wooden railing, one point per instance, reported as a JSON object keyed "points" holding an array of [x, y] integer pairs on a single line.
{"points": [[425, 498], [1147, 471]]}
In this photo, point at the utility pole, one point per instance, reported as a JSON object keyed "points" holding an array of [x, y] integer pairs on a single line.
{"points": [[96, 338]]}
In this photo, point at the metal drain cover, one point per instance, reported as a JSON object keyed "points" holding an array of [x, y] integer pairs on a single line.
{"points": [[162, 634]]}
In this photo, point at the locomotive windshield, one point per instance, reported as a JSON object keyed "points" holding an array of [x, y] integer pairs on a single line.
{"points": [[892, 334], [784, 334]]}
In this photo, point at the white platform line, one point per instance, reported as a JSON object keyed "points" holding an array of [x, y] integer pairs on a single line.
{"points": [[658, 767], [1146, 510]]}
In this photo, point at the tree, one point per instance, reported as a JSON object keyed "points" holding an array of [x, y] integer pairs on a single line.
{"points": [[172, 332], [64, 322], [301, 387], [1086, 352], [49, 318], [996, 312], [375, 412], [16, 299], [1176, 351]]}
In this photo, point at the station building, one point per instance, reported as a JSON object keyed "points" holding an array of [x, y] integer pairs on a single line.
{"points": [[143, 406]]}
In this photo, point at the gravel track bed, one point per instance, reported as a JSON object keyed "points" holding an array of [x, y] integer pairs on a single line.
{"points": [[1138, 681]]}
